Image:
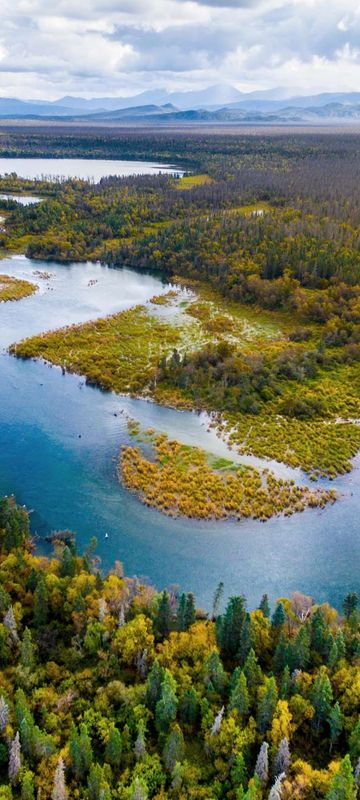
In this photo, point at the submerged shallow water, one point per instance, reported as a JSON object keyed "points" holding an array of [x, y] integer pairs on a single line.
{"points": [[59, 445]]}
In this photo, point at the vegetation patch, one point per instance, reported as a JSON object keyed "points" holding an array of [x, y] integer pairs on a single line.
{"points": [[191, 181], [119, 353], [14, 288], [185, 481]]}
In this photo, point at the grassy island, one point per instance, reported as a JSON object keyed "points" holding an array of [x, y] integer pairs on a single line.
{"points": [[185, 481], [113, 690], [14, 288]]}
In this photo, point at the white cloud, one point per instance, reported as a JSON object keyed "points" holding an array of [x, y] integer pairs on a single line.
{"points": [[123, 46]]}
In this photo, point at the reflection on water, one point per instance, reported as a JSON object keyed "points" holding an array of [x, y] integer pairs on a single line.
{"points": [[86, 168], [59, 445]]}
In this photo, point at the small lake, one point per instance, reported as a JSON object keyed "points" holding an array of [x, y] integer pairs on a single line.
{"points": [[60, 441], [23, 200], [85, 168]]}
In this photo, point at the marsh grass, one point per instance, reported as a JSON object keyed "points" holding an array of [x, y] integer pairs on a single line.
{"points": [[182, 480], [15, 289]]}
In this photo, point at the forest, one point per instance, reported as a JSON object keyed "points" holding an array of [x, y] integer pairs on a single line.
{"points": [[111, 689]]}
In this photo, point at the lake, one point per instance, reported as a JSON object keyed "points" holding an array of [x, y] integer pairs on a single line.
{"points": [[86, 168], [71, 482]]}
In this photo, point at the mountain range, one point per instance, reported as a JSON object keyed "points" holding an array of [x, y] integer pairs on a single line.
{"points": [[217, 104]]}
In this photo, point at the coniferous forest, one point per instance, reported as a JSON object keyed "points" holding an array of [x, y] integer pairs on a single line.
{"points": [[110, 689]]}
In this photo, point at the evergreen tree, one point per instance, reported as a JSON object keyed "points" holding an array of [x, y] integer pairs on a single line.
{"points": [[354, 742], [335, 724], [139, 790], [80, 752], [174, 748], [215, 673], [163, 618], [14, 760], [238, 772], [245, 640], [239, 698], [285, 684], [321, 698], [27, 650], [189, 708], [59, 791], [283, 758], [153, 684], [41, 600], [264, 606], [282, 654], [333, 656], [319, 632], [301, 649], [68, 563], [229, 627], [267, 705], [340, 644], [252, 671], [114, 748], [262, 764], [217, 600], [165, 712], [180, 615], [98, 788], [27, 786], [350, 604], [343, 783], [190, 611], [279, 617]]}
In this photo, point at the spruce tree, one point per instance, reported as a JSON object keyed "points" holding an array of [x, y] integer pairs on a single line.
{"points": [[27, 786], [165, 712], [180, 614], [229, 627], [350, 603], [335, 724], [153, 684], [245, 640], [343, 783], [190, 610], [174, 748], [354, 742], [267, 705], [217, 600], [252, 671], [279, 617], [301, 649], [27, 657], [114, 748], [41, 600], [163, 618], [214, 672], [321, 698], [239, 698], [264, 606], [189, 708], [285, 684]]}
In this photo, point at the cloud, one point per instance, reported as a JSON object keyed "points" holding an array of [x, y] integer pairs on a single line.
{"points": [[124, 46]]}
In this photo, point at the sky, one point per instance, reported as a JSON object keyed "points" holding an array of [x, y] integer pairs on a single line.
{"points": [[120, 47]]}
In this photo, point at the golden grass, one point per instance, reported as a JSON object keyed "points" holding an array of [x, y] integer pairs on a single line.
{"points": [[14, 288]]}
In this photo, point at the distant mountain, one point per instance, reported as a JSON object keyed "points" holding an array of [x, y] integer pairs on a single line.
{"points": [[220, 103]]}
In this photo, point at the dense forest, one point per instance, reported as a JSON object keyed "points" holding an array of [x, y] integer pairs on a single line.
{"points": [[110, 689]]}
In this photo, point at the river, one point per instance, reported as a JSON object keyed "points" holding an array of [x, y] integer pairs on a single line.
{"points": [[60, 441]]}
